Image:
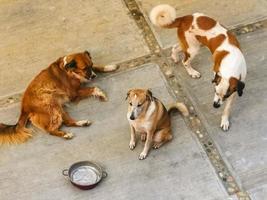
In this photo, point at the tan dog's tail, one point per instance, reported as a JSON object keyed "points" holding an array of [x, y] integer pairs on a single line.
{"points": [[164, 16], [15, 134], [179, 106]]}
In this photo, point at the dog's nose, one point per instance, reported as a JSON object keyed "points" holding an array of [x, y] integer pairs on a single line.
{"points": [[216, 104], [132, 117], [93, 76]]}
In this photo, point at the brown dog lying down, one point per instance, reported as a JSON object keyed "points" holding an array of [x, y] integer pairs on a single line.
{"points": [[43, 100], [148, 116]]}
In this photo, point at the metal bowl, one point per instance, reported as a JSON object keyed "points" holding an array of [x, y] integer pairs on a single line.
{"points": [[85, 174]]}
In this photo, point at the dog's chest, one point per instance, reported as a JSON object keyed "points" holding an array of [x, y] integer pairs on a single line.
{"points": [[140, 125]]}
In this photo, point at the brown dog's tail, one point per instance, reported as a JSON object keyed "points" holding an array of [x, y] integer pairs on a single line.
{"points": [[15, 134], [164, 16], [179, 106]]}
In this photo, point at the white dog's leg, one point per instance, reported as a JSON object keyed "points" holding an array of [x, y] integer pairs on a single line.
{"points": [[132, 141], [192, 51], [225, 124], [176, 49]]}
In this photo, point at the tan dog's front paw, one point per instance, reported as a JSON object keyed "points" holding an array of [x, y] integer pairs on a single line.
{"points": [[142, 156], [68, 136], [99, 93], [83, 123], [225, 124], [132, 145]]}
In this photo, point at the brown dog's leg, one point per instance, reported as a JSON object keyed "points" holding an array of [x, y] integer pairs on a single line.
{"points": [[161, 137], [106, 68], [50, 119], [92, 91], [68, 121]]}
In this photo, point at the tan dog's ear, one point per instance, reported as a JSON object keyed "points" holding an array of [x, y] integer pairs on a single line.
{"points": [[87, 54], [128, 93], [149, 95]]}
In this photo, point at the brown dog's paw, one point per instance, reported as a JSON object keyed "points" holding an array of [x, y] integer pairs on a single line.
{"points": [[83, 123], [100, 94], [68, 136]]}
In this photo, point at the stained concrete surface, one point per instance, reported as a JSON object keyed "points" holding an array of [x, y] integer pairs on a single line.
{"points": [[33, 34], [244, 146], [229, 13], [33, 170]]}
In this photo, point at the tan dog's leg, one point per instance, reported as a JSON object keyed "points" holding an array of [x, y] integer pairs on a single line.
{"points": [[68, 121], [133, 137], [149, 139], [92, 91], [190, 47], [161, 137], [225, 124]]}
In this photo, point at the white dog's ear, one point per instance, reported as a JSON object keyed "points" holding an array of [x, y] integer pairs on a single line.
{"points": [[240, 87], [149, 95]]}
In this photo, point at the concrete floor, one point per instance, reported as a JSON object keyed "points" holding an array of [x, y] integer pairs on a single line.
{"points": [[35, 33]]}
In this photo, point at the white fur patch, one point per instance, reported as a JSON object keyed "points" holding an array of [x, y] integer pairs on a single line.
{"points": [[65, 60], [151, 109], [162, 15], [109, 68], [83, 123]]}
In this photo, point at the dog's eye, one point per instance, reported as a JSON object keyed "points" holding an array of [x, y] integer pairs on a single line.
{"points": [[139, 105], [130, 104]]}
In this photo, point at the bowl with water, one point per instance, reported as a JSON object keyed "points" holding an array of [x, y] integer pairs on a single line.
{"points": [[85, 174]]}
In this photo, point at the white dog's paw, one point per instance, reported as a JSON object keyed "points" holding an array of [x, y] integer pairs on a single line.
{"points": [[194, 74], [68, 136], [225, 124], [142, 156], [110, 68], [83, 123], [132, 145]]}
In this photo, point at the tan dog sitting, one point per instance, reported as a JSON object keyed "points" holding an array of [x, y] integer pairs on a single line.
{"points": [[43, 100], [148, 116]]}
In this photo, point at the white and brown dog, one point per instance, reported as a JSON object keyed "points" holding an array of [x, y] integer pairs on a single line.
{"points": [[229, 63], [148, 116]]}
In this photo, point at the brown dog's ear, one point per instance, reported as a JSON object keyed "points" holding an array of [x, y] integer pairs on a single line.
{"points": [[149, 95], [88, 54], [71, 65]]}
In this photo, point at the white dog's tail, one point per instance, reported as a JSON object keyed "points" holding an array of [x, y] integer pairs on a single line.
{"points": [[164, 16], [179, 106]]}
